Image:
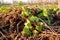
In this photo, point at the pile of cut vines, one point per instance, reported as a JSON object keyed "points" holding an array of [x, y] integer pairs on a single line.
{"points": [[25, 23]]}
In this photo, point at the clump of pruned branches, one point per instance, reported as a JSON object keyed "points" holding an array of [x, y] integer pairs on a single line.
{"points": [[18, 22]]}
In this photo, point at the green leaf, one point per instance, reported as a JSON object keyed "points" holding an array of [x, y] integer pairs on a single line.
{"points": [[28, 24], [26, 11], [49, 20], [20, 3], [51, 11], [39, 28], [56, 9], [45, 12], [35, 32], [22, 14], [40, 15], [34, 19], [27, 31]]}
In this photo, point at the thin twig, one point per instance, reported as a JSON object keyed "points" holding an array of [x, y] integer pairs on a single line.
{"points": [[18, 26], [3, 34], [56, 22], [46, 25]]}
